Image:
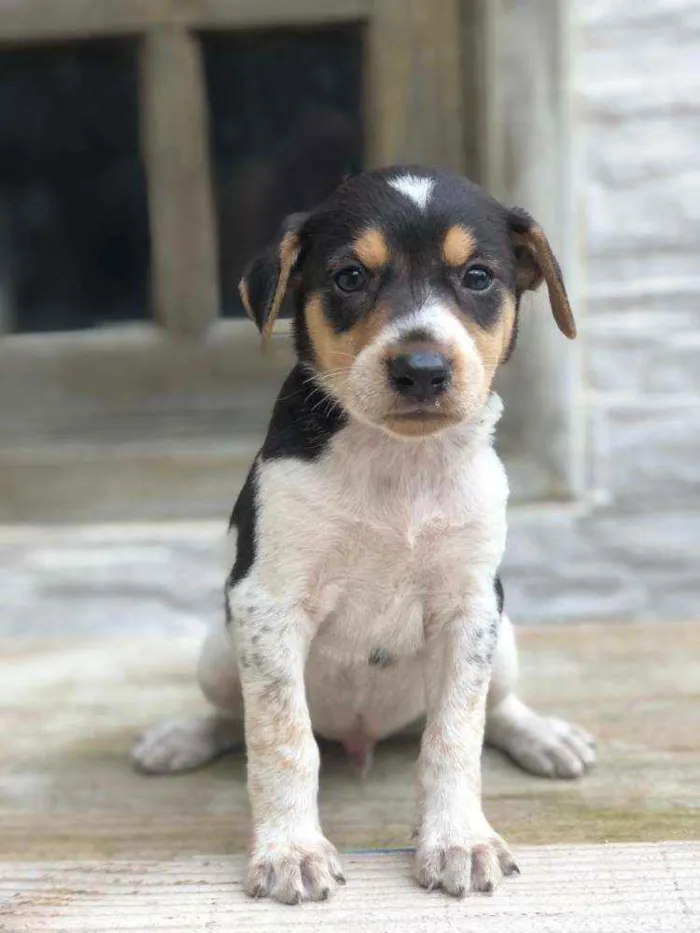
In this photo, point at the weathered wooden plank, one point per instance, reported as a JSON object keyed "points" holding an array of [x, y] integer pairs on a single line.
{"points": [[27, 21], [247, 14], [599, 889], [531, 161], [131, 423], [80, 387], [166, 482], [478, 23], [185, 279], [414, 84], [24, 21], [103, 626]]}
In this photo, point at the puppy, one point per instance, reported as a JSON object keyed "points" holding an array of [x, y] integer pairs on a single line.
{"points": [[365, 592]]}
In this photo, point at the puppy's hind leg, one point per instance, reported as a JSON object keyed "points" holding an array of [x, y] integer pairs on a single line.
{"points": [[542, 745], [185, 744]]}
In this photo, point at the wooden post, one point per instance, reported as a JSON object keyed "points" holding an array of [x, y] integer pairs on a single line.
{"points": [[414, 100], [29, 21], [184, 268], [530, 159]]}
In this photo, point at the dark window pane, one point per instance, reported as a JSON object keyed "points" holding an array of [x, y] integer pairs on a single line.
{"points": [[286, 126], [73, 220]]}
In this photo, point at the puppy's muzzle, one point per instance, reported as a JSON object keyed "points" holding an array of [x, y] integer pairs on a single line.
{"points": [[420, 375]]}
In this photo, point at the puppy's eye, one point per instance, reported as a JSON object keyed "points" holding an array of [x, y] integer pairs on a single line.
{"points": [[350, 279], [477, 278]]}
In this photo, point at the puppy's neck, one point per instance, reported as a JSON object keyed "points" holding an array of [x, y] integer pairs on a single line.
{"points": [[468, 434], [374, 457]]}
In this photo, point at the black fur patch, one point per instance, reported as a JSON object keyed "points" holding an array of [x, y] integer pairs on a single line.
{"points": [[500, 595], [304, 419], [243, 520]]}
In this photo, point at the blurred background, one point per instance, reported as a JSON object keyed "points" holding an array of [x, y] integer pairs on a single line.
{"points": [[149, 147]]}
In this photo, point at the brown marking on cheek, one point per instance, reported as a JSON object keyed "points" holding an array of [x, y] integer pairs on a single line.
{"points": [[372, 249], [492, 344], [369, 327], [458, 246], [334, 352], [337, 352]]}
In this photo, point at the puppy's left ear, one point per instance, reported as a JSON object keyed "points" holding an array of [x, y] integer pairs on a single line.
{"points": [[536, 262], [267, 278]]}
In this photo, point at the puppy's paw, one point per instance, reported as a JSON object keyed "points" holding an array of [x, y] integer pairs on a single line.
{"points": [[184, 744], [461, 866], [295, 871], [543, 745]]}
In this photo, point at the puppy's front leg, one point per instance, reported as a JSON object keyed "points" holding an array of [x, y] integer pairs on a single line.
{"points": [[290, 858], [457, 849]]}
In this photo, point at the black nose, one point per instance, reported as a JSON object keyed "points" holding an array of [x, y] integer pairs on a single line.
{"points": [[422, 375]]}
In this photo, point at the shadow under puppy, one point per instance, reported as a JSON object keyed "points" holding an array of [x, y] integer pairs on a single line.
{"points": [[370, 530]]}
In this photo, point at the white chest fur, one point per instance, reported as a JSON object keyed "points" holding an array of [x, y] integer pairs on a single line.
{"points": [[380, 537]]}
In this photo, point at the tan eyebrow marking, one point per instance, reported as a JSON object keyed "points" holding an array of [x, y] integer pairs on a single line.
{"points": [[458, 246], [372, 249]]}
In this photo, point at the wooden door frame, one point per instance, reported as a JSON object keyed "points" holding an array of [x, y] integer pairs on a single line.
{"points": [[431, 65], [413, 103], [84, 428], [532, 157]]}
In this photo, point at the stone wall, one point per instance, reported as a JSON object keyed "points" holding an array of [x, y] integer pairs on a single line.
{"points": [[631, 549]]}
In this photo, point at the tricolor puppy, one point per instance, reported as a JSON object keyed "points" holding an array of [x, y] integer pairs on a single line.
{"points": [[365, 592]]}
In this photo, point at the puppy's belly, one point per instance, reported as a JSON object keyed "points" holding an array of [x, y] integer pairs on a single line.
{"points": [[374, 625], [363, 699], [364, 672]]}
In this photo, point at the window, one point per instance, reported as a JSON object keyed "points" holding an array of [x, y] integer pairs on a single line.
{"points": [[156, 157], [75, 243], [285, 126]]}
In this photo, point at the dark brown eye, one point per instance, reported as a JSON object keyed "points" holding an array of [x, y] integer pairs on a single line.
{"points": [[350, 279], [477, 279]]}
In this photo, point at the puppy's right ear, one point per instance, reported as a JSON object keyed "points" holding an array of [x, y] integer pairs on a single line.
{"points": [[267, 278]]}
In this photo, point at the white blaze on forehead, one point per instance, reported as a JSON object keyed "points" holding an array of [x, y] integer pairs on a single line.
{"points": [[414, 187]]}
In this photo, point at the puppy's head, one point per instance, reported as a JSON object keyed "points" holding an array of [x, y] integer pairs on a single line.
{"points": [[407, 284]]}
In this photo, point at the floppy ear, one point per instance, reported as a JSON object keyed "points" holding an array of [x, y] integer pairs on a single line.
{"points": [[536, 262], [267, 278]]}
